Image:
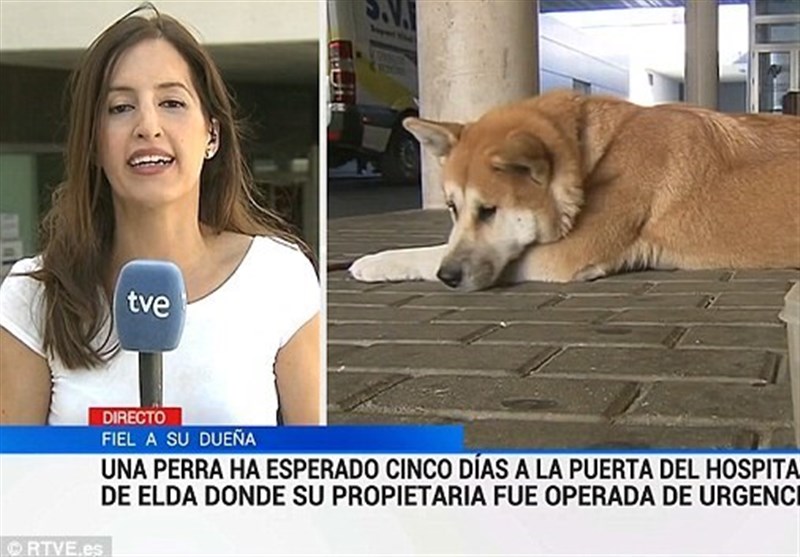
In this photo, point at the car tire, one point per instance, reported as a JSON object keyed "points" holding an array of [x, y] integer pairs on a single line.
{"points": [[400, 163]]}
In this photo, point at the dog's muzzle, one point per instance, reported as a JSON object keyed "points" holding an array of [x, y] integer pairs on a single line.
{"points": [[451, 274]]}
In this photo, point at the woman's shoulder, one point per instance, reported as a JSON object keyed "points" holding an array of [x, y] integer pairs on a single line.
{"points": [[261, 256], [21, 303], [277, 257], [282, 268], [26, 265], [277, 245], [273, 251], [18, 276], [233, 249]]}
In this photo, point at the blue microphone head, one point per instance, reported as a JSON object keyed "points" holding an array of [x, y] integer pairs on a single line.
{"points": [[149, 306]]}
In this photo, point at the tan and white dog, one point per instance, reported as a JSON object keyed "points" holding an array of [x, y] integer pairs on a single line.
{"points": [[564, 187]]}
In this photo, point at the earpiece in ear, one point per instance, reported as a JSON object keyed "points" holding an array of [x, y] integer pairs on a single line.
{"points": [[213, 140]]}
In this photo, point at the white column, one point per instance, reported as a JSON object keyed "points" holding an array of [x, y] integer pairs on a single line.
{"points": [[472, 56], [702, 52]]}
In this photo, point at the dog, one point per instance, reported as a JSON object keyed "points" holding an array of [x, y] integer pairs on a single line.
{"points": [[564, 187]]}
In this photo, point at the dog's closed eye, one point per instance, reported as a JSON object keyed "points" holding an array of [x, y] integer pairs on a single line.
{"points": [[453, 209], [485, 213], [511, 168]]}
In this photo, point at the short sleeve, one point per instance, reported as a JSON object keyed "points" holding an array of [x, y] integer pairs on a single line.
{"points": [[301, 287], [21, 305]]}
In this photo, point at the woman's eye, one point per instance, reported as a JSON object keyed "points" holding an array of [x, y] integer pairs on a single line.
{"points": [[173, 104], [485, 213], [119, 108]]}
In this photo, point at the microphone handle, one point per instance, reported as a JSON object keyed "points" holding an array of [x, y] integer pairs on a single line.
{"points": [[151, 386]]}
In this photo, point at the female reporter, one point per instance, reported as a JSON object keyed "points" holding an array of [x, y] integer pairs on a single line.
{"points": [[154, 170]]}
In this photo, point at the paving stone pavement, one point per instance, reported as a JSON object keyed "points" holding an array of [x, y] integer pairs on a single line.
{"points": [[654, 359]]}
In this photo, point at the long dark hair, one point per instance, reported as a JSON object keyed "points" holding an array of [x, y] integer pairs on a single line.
{"points": [[78, 231]]}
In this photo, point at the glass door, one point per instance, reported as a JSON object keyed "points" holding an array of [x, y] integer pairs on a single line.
{"points": [[774, 53], [774, 79]]}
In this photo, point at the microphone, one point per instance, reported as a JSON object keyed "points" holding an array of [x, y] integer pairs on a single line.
{"points": [[149, 311]]}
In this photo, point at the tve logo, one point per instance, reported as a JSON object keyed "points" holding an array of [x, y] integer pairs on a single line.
{"points": [[142, 302], [149, 306]]}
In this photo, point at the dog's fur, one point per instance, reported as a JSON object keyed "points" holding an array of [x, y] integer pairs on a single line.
{"points": [[564, 187]]}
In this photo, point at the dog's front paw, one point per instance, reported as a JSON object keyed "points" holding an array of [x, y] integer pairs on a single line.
{"points": [[400, 264], [382, 267]]}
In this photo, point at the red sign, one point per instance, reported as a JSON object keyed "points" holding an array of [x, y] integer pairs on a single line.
{"points": [[135, 416]]}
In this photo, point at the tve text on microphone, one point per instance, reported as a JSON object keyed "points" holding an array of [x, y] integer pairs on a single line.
{"points": [[144, 303]]}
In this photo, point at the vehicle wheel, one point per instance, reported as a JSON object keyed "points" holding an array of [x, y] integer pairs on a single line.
{"points": [[400, 163]]}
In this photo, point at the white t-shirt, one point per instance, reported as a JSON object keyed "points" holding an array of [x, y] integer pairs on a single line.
{"points": [[223, 370]]}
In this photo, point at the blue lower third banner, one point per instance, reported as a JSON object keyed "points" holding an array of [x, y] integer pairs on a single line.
{"points": [[367, 490], [218, 439]]}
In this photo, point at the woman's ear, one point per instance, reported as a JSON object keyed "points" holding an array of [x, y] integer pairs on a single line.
{"points": [[213, 139]]}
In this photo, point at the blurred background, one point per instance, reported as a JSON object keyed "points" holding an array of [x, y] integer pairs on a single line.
{"points": [[634, 49], [268, 53]]}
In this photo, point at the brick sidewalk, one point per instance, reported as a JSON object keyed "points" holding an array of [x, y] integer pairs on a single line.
{"points": [[651, 359]]}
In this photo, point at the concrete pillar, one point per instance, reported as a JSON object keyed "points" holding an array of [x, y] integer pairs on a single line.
{"points": [[702, 52], [472, 56]]}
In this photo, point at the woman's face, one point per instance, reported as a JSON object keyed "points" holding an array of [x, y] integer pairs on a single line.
{"points": [[153, 132]]}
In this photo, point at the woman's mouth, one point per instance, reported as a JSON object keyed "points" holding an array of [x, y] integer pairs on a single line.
{"points": [[150, 163]]}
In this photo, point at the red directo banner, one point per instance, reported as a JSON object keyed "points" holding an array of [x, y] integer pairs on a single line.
{"points": [[135, 416]]}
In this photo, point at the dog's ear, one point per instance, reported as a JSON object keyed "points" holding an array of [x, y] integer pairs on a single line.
{"points": [[437, 137], [523, 153]]}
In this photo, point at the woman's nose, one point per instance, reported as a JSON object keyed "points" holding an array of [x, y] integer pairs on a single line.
{"points": [[147, 124]]}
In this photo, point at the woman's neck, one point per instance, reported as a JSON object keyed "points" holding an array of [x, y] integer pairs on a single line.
{"points": [[160, 234]]}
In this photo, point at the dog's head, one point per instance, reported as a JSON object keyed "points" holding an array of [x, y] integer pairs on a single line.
{"points": [[511, 180]]}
